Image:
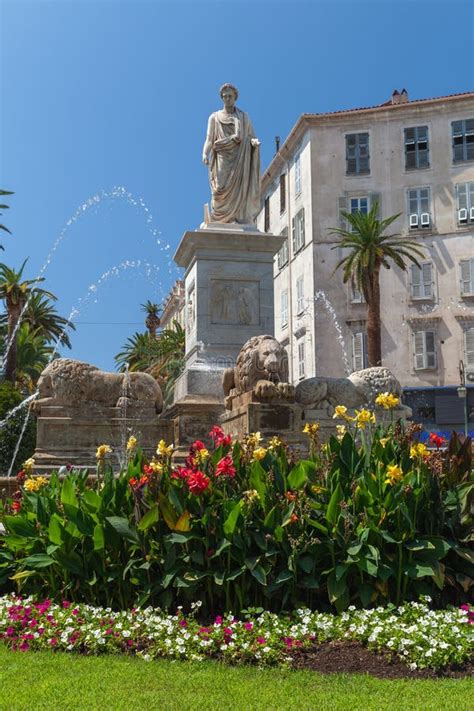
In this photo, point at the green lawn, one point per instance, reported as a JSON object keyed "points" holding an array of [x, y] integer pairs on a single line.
{"points": [[46, 680]]}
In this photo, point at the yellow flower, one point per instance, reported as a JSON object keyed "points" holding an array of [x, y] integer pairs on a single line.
{"points": [[317, 489], [274, 443], [250, 496], [164, 450], [102, 450], [156, 467], [394, 474], [341, 431], [28, 465], [387, 400], [35, 484], [202, 455], [364, 417], [418, 450], [311, 428], [259, 453], [132, 443], [383, 441]]}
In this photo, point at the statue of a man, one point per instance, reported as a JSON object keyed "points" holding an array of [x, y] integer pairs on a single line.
{"points": [[232, 153]]}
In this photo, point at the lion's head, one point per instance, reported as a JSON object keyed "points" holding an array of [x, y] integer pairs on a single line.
{"points": [[261, 358]]}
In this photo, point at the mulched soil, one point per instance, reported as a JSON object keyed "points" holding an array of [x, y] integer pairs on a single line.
{"points": [[351, 657]]}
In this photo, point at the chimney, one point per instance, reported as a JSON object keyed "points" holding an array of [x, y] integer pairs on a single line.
{"points": [[277, 144], [399, 97]]}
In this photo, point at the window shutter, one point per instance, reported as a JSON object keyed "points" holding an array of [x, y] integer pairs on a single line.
{"points": [[302, 228], [430, 349], [342, 202], [415, 282], [426, 269], [467, 276], [282, 193], [376, 198], [461, 190], [419, 345], [293, 234], [469, 339], [358, 350]]}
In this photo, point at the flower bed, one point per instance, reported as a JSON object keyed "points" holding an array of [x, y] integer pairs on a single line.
{"points": [[421, 637], [371, 517]]}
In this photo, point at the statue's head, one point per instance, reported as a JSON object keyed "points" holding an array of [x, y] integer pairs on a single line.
{"points": [[229, 94]]}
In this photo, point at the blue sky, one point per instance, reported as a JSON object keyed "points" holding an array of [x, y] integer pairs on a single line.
{"points": [[104, 94]]}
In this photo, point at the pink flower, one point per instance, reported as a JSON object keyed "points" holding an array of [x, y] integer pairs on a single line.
{"points": [[24, 647], [261, 640], [218, 620], [228, 631], [10, 631], [248, 625], [53, 641], [75, 612], [198, 482], [220, 439], [66, 604], [183, 623], [225, 467]]}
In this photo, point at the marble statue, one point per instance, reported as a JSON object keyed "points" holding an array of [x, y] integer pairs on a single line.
{"points": [[232, 153]]}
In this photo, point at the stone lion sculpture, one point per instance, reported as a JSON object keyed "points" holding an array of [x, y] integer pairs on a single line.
{"points": [[73, 383], [358, 389], [261, 368]]}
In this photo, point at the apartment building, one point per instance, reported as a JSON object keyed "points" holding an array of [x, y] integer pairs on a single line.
{"points": [[415, 158]]}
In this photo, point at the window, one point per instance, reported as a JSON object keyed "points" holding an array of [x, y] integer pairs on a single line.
{"points": [[419, 215], [467, 277], [300, 295], [358, 204], [357, 154], [357, 297], [362, 204], [463, 140], [282, 193], [421, 281], [266, 225], [469, 346], [298, 231], [282, 256], [301, 360], [465, 200], [424, 350], [284, 309], [359, 350], [416, 147], [297, 174]]}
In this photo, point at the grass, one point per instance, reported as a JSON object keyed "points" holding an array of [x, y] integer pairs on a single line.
{"points": [[47, 680]]}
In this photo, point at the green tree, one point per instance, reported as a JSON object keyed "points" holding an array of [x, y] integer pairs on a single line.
{"points": [[10, 432], [370, 249], [33, 355], [4, 207], [41, 316], [152, 320], [15, 291]]}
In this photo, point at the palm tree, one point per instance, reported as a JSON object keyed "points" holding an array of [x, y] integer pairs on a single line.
{"points": [[41, 315], [4, 207], [370, 250], [33, 355], [15, 292], [152, 320]]}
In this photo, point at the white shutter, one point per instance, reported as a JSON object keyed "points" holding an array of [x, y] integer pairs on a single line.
{"points": [[358, 350], [284, 308], [467, 276], [342, 203], [430, 349], [426, 269], [293, 234], [419, 347], [301, 359], [461, 190], [415, 282], [469, 343], [376, 198]]}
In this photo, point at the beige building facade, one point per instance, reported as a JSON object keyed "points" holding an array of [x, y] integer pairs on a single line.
{"points": [[415, 158]]}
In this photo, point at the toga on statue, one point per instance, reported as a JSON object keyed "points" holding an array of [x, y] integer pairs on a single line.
{"points": [[232, 153]]}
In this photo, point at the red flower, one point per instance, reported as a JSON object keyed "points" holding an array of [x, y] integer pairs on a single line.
{"points": [[437, 440], [138, 484], [220, 439], [225, 467], [20, 477], [198, 482], [197, 445], [182, 473], [16, 506], [147, 469]]}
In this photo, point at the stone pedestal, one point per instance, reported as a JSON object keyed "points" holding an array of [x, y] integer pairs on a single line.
{"points": [[229, 298], [70, 435]]}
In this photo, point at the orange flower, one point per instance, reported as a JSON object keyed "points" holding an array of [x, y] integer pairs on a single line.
{"points": [[294, 518]]}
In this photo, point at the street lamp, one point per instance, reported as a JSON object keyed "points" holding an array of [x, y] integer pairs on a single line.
{"points": [[462, 392]]}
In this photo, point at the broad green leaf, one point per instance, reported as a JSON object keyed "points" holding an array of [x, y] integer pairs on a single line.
{"points": [[284, 576], [98, 537], [20, 526], [22, 575], [419, 546], [55, 530], [420, 571], [168, 512], [231, 521], [38, 560], [148, 519], [333, 510], [316, 524], [68, 494], [257, 481], [123, 528], [298, 476], [259, 574]]}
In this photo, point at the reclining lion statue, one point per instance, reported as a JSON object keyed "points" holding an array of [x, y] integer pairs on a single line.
{"points": [[261, 368], [358, 389], [73, 383]]}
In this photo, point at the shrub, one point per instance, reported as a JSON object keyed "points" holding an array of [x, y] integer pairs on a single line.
{"points": [[371, 517], [10, 397]]}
